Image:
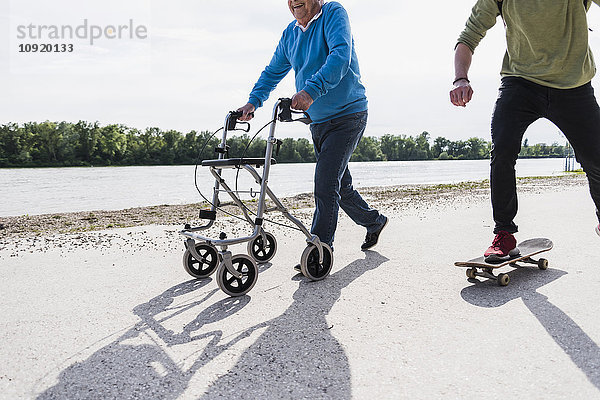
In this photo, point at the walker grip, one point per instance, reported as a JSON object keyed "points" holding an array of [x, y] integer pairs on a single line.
{"points": [[232, 121], [285, 115], [285, 105]]}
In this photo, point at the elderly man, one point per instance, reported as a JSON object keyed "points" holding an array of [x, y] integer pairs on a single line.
{"points": [[318, 45], [546, 73]]}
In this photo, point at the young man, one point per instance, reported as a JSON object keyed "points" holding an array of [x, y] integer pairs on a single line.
{"points": [[546, 73], [318, 45]]}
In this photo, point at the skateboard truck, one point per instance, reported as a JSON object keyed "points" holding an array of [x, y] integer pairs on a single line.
{"points": [[542, 263], [502, 279]]}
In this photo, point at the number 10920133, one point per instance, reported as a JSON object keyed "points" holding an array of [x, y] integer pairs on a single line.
{"points": [[45, 48]]}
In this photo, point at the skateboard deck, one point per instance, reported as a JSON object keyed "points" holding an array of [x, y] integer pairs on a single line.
{"points": [[527, 248]]}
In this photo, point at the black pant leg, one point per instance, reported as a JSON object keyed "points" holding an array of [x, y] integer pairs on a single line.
{"points": [[519, 104], [576, 113]]}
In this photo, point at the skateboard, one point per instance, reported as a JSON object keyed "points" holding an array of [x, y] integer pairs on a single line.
{"points": [[528, 248]]}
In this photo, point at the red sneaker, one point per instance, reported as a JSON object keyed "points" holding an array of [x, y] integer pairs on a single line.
{"points": [[503, 247]]}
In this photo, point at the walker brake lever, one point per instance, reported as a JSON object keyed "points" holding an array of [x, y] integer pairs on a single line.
{"points": [[305, 119], [246, 124]]}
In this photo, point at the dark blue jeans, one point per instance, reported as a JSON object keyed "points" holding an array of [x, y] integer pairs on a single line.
{"points": [[521, 102], [334, 142]]}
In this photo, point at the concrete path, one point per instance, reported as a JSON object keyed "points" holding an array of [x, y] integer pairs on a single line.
{"points": [[114, 315]]}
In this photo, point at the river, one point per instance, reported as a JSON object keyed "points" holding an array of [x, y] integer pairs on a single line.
{"points": [[53, 190]]}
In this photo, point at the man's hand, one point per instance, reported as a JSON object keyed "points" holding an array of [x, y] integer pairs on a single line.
{"points": [[247, 111], [301, 101], [462, 93]]}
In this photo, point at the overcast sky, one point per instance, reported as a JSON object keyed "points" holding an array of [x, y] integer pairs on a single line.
{"points": [[202, 57]]}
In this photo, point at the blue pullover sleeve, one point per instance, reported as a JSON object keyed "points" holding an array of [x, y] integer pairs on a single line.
{"points": [[277, 69], [338, 37]]}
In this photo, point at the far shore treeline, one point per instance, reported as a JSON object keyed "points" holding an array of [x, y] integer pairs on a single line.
{"points": [[63, 144]]}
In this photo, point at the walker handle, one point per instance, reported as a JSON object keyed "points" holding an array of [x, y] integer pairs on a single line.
{"points": [[237, 114], [232, 121], [285, 115]]}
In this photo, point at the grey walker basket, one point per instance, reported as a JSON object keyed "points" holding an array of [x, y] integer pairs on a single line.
{"points": [[237, 274]]}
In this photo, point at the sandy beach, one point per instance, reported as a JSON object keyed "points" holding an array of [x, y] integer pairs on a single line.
{"points": [[97, 305]]}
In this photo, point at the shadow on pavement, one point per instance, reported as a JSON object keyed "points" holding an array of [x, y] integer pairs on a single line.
{"points": [[525, 282], [296, 356]]}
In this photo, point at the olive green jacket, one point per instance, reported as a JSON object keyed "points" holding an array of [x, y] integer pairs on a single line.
{"points": [[547, 40]]}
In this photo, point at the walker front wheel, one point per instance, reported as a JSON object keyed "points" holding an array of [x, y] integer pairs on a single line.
{"points": [[238, 286], [206, 265], [263, 252], [310, 265]]}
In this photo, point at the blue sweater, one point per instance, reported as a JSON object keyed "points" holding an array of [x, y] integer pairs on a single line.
{"points": [[325, 64]]}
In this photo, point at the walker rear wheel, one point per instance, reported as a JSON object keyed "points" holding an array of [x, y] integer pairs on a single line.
{"points": [[263, 252], [310, 265], [204, 267], [238, 286]]}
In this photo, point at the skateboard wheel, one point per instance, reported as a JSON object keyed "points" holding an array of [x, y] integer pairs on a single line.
{"points": [[471, 273], [543, 264], [503, 279]]}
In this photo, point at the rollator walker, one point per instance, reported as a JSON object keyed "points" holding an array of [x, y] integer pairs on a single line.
{"points": [[237, 274]]}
